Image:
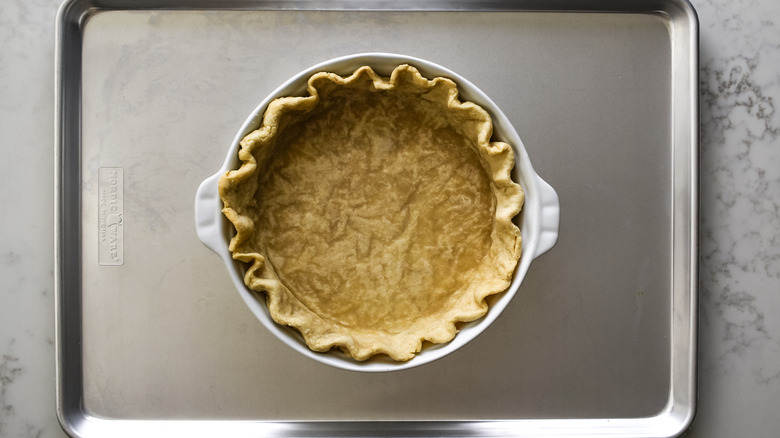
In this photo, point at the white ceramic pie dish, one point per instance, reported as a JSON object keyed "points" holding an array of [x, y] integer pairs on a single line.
{"points": [[538, 221]]}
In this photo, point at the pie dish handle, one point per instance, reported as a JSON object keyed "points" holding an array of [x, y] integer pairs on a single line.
{"points": [[549, 217], [208, 209]]}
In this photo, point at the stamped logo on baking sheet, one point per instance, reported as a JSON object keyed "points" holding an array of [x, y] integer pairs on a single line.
{"points": [[110, 216]]}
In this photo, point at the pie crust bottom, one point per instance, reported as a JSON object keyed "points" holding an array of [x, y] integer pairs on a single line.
{"points": [[375, 212]]}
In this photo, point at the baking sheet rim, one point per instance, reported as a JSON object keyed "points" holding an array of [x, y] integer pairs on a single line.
{"points": [[675, 418]]}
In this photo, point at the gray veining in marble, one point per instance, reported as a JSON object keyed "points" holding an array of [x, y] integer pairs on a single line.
{"points": [[740, 199], [9, 370], [26, 219]]}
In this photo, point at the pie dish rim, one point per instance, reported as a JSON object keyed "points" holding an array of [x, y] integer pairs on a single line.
{"points": [[536, 240]]}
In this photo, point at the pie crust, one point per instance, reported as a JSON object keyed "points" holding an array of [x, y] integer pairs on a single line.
{"points": [[374, 213]]}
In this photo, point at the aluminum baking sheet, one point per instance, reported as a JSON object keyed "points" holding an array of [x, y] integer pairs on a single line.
{"points": [[153, 340]]}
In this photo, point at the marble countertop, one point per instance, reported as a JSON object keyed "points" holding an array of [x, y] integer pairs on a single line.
{"points": [[739, 343]]}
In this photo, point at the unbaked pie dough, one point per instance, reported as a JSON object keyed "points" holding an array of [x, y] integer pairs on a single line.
{"points": [[374, 213]]}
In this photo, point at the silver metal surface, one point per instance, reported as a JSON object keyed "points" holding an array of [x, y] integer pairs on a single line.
{"points": [[600, 340]]}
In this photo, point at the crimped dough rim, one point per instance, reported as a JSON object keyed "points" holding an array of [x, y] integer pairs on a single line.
{"points": [[320, 334]]}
